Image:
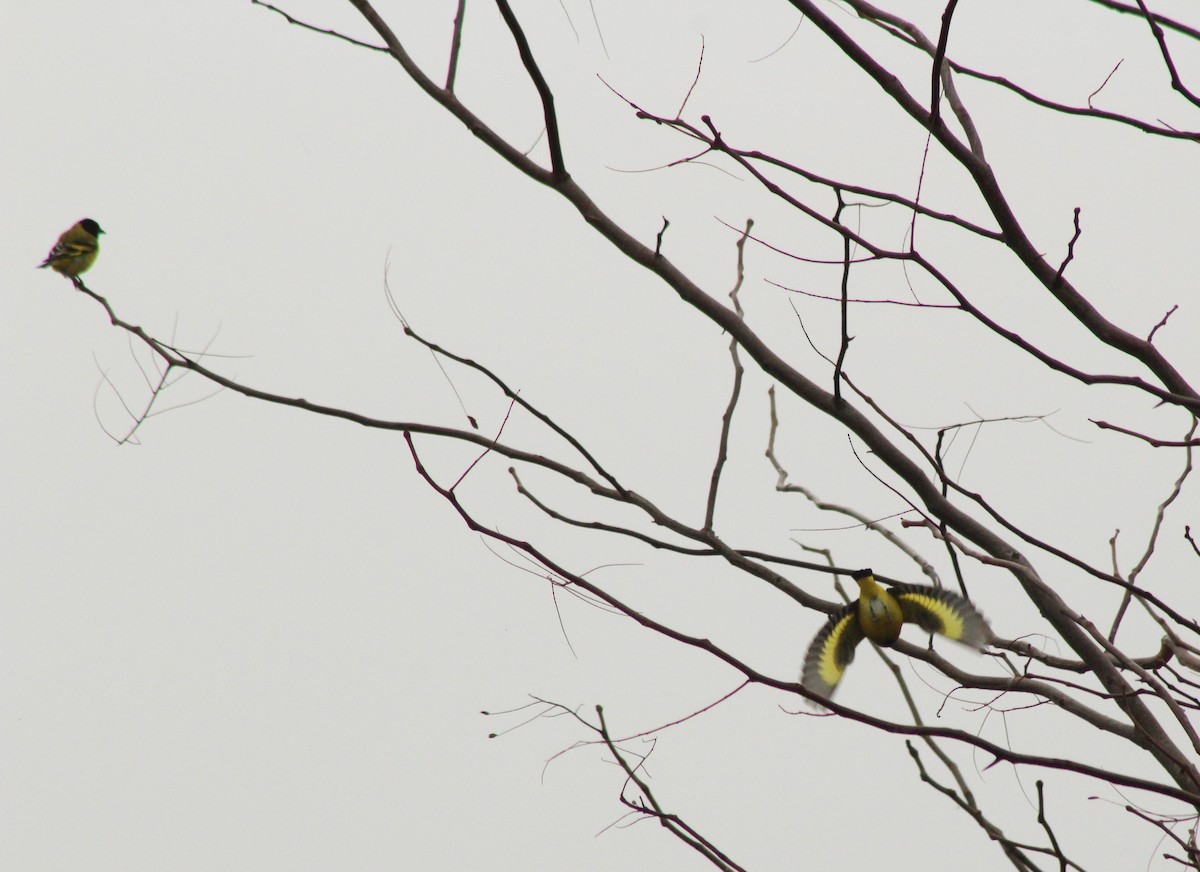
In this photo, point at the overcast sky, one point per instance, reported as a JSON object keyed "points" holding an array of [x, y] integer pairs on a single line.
{"points": [[254, 639]]}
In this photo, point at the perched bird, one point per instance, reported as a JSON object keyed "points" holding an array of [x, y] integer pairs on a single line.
{"points": [[76, 249], [878, 615]]}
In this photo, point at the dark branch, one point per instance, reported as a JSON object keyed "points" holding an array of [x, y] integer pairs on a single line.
{"points": [[939, 55], [539, 81]]}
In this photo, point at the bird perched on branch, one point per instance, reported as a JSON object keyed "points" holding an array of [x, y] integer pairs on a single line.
{"points": [[878, 615], [76, 249]]}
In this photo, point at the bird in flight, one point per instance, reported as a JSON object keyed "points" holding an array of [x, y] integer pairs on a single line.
{"points": [[878, 614]]}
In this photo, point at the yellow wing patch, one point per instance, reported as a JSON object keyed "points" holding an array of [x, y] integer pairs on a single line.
{"points": [[832, 651], [71, 249], [940, 611]]}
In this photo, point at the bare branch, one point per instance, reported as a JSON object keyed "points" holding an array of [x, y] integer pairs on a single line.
{"points": [[676, 826], [1149, 440], [939, 55], [314, 29], [543, 89], [1161, 38], [735, 391], [456, 43], [1070, 249], [695, 80]]}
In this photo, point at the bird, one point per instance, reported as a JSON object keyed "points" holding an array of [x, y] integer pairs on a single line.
{"points": [[76, 249], [878, 614]]}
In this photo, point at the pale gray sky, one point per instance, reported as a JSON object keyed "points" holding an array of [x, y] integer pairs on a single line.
{"points": [[256, 640]]}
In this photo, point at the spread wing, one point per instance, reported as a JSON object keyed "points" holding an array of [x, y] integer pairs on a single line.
{"points": [[941, 611], [831, 651]]}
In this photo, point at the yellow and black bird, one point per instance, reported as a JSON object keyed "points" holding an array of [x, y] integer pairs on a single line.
{"points": [[76, 249], [878, 615]]}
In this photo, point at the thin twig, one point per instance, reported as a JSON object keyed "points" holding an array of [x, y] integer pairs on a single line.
{"points": [[844, 344], [456, 44], [695, 80], [735, 392], [1070, 250], [315, 29]]}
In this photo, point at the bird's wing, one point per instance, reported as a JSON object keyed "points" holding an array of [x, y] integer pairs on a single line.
{"points": [[70, 248], [831, 651], [65, 249], [941, 611]]}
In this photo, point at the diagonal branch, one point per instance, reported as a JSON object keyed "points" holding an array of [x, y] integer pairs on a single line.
{"points": [[1161, 38], [543, 89]]}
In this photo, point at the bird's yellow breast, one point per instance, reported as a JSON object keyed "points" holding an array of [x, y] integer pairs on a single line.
{"points": [[879, 613]]}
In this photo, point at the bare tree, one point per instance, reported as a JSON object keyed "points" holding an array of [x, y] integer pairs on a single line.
{"points": [[977, 292]]}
